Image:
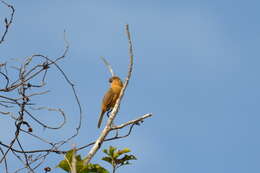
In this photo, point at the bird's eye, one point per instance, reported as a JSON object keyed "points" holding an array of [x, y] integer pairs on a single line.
{"points": [[110, 80]]}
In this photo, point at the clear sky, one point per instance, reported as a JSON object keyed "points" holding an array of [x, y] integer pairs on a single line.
{"points": [[196, 68]]}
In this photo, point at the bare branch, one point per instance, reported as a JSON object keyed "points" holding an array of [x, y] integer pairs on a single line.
{"points": [[32, 71], [140, 119], [7, 22], [108, 66], [73, 164], [6, 166]]}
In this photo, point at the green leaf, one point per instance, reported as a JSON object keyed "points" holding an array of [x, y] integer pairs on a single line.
{"points": [[105, 151], [111, 151], [69, 155], [64, 165], [67, 162], [125, 150], [125, 159], [78, 157], [120, 152], [93, 168], [79, 165], [107, 159]]}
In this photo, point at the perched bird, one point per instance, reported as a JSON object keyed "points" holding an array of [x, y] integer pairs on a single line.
{"points": [[111, 96]]}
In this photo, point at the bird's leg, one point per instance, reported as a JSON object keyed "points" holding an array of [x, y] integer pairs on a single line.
{"points": [[108, 112]]}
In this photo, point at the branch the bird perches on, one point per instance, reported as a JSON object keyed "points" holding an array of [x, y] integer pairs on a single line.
{"points": [[108, 128]]}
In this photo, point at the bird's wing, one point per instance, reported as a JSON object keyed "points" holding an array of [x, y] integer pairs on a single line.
{"points": [[108, 99]]}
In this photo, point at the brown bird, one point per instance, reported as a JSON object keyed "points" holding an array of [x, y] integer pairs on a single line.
{"points": [[111, 96]]}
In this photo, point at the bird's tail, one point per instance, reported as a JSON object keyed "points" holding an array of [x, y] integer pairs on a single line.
{"points": [[100, 118]]}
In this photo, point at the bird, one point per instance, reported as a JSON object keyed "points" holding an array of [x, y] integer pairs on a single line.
{"points": [[111, 96]]}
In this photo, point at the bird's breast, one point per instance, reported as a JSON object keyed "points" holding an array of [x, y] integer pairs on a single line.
{"points": [[116, 89]]}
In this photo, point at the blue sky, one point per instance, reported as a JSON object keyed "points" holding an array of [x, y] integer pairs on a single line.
{"points": [[196, 69]]}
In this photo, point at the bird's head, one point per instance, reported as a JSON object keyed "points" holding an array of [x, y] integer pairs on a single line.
{"points": [[115, 81]]}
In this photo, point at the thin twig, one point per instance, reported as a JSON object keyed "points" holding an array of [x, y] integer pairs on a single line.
{"points": [[140, 119], [108, 66], [7, 22]]}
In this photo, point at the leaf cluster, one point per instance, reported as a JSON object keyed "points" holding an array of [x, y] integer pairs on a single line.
{"points": [[118, 158], [67, 164], [115, 157]]}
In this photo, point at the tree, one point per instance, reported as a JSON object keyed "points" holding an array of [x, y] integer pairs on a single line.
{"points": [[28, 80]]}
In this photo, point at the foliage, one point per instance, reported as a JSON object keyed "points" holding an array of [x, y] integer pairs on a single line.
{"points": [[116, 158], [67, 163]]}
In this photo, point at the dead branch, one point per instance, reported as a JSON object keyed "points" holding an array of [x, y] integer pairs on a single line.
{"points": [[140, 119], [8, 22], [27, 80], [108, 66]]}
